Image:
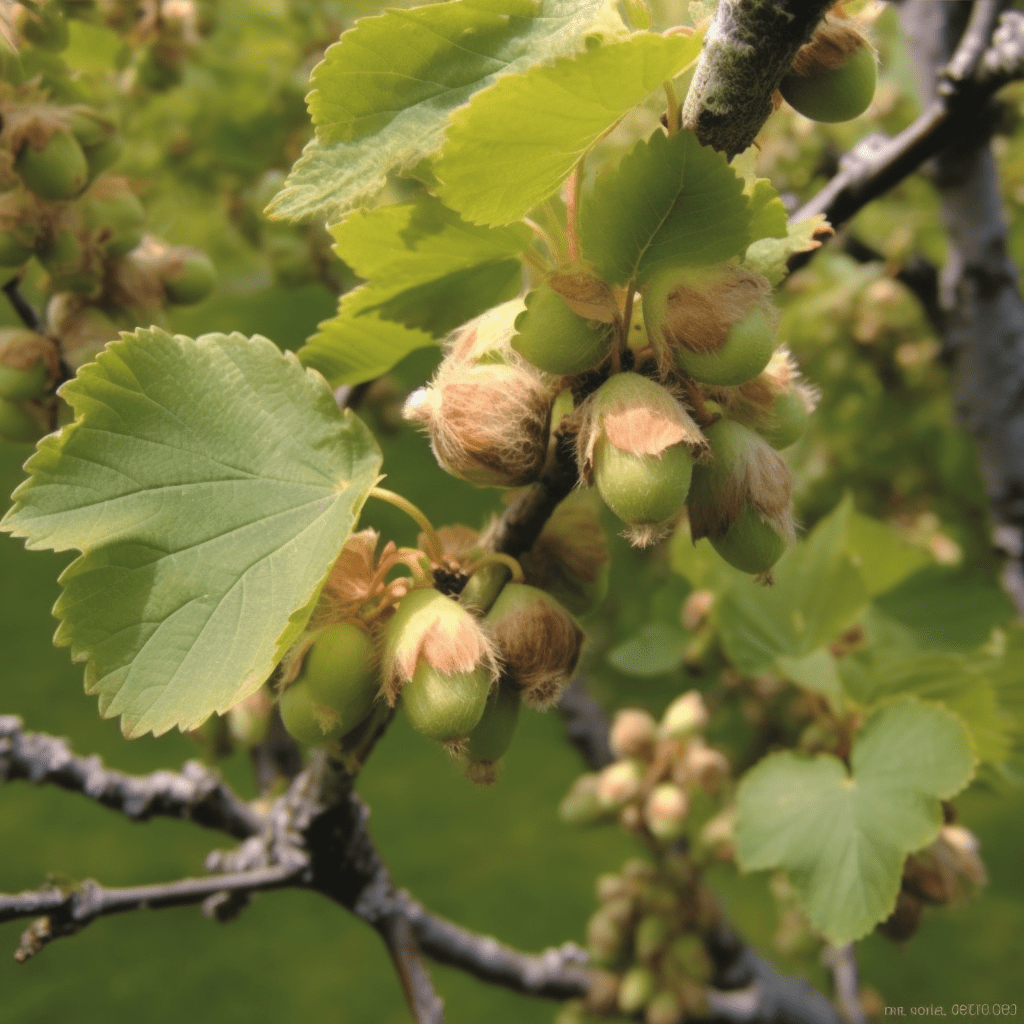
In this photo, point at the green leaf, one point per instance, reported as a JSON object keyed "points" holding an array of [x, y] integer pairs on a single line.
{"points": [[209, 485], [818, 594], [670, 203], [817, 672], [429, 272], [769, 256], [656, 649], [882, 556], [383, 93], [767, 213], [948, 609], [519, 140], [843, 836], [962, 684]]}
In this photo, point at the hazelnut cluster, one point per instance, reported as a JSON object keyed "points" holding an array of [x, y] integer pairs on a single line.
{"points": [[678, 398]]}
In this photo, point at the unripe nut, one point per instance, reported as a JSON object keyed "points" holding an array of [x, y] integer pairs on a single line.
{"points": [[685, 715], [635, 989]]}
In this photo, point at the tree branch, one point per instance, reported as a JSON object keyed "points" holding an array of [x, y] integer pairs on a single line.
{"points": [[560, 973], [878, 162], [983, 334], [70, 912], [748, 49], [841, 962], [29, 317], [195, 794]]}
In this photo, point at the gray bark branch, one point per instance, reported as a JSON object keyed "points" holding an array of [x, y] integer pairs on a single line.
{"points": [[748, 49], [195, 794], [983, 336]]}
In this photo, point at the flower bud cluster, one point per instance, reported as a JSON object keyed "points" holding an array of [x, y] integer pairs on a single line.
{"points": [[647, 935], [660, 770]]}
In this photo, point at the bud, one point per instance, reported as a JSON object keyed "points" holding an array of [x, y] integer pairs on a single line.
{"points": [[633, 734], [188, 275], [569, 560], [114, 215], [635, 990], [635, 443], [52, 165], [701, 765], [636, 869], [538, 642], [619, 783], [610, 886], [717, 833], [740, 498], [581, 805], [492, 735], [29, 364], [665, 812], [249, 722], [606, 936], [687, 952], [717, 326], [834, 75], [685, 715], [901, 924], [664, 1008], [487, 411], [650, 936], [555, 339]]}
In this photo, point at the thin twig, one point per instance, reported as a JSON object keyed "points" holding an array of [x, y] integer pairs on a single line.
{"points": [[878, 162], [195, 794], [69, 912], [29, 317], [841, 962], [554, 974]]}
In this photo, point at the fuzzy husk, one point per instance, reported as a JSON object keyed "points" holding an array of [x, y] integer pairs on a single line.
{"points": [[570, 556], [22, 349], [637, 416], [831, 46], [751, 403], [695, 309], [538, 640], [586, 294], [742, 469], [487, 411], [431, 627], [633, 733]]}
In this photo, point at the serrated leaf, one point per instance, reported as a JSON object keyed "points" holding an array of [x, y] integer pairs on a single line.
{"points": [[843, 836], [670, 203], [818, 594], [429, 272], [383, 93], [962, 684], [770, 256], [767, 213], [519, 140], [209, 485]]}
